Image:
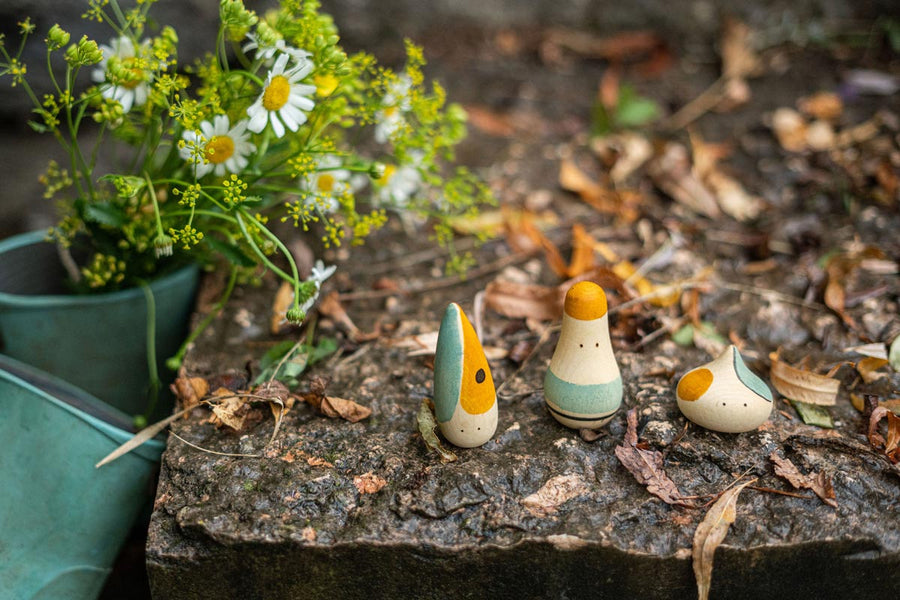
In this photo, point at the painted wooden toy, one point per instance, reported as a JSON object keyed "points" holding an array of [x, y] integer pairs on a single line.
{"points": [[464, 396], [582, 387], [724, 395]]}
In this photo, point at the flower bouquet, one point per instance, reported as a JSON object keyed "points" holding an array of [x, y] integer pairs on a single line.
{"points": [[275, 122]]}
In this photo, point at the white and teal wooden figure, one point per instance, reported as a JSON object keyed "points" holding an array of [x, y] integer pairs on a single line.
{"points": [[583, 387], [724, 395], [465, 400]]}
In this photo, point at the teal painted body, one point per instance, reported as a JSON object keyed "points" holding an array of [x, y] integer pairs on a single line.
{"points": [[577, 399], [448, 364], [750, 379], [62, 521], [96, 342]]}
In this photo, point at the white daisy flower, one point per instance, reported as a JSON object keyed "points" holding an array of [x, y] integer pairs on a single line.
{"points": [[327, 183], [318, 276], [284, 101], [390, 119], [267, 53], [136, 89], [225, 148], [397, 185]]}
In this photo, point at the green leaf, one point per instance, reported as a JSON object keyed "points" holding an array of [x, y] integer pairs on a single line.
{"points": [[601, 124], [684, 336], [813, 414], [427, 425], [231, 252], [894, 354], [292, 359], [634, 110], [105, 214], [39, 127]]}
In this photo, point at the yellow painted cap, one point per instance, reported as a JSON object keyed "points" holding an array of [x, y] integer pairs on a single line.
{"points": [[585, 301]]}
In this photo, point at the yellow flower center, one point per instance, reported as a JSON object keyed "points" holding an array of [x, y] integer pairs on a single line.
{"points": [[219, 149], [325, 183], [388, 173], [133, 75], [390, 111], [276, 94]]}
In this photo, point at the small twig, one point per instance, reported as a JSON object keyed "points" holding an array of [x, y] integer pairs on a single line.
{"points": [[208, 451], [782, 492], [766, 293], [696, 108]]}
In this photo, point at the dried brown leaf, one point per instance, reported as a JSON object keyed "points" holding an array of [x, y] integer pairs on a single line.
{"points": [[672, 172], [790, 129], [489, 121], [647, 466], [284, 297], [868, 368], [189, 391], [520, 300], [709, 535], [369, 483], [331, 307], [803, 386], [346, 409], [427, 424], [890, 444], [557, 491], [231, 411], [819, 483], [822, 105]]}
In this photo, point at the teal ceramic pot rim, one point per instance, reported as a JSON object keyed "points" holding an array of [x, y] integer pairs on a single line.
{"points": [[173, 279], [41, 384]]}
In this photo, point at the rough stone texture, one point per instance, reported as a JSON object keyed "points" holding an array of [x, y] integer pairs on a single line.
{"points": [[279, 526]]}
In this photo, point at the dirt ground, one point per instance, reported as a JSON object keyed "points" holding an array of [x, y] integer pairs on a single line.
{"points": [[774, 229]]}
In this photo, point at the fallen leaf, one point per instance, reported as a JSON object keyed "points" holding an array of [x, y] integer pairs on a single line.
{"points": [[557, 491], [346, 409], [875, 350], [315, 461], [790, 129], [621, 203], [820, 135], [521, 300], [894, 354], [489, 121], [890, 444], [627, 151], [189, 391], [330, 306], [671, 171], [279, 398], [819, 483], [730, 195], [709, 535], [868, 366], [427, 425], [803, 386], [284, 297], [812, 414], [230, 411], [644, 287], [822, 105], [647, 466], [369, 483], [615, 48]]}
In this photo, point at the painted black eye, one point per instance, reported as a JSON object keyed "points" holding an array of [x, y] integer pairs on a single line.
{"points": [[581, 345], [479, 376], [596, 344]]}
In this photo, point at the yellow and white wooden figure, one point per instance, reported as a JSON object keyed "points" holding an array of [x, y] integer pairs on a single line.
{"points": [[724, 395], [583, 387], [465, 400]]}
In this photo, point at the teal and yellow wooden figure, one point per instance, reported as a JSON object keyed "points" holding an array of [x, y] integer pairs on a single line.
{"points": [[583, 387], [724, 395], [465, 400]]}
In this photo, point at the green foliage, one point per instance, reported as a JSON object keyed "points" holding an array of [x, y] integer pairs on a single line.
{"points": [[285, 362], [632, 111], [267, 125]]}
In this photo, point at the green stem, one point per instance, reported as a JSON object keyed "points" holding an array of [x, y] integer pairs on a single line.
{"points": [[155, 382], [259, 253], [295, 279], [175, 361], [152, 192]]}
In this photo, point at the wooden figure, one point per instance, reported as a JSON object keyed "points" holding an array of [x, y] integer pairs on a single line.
{"points": [[724, 395], [582, 387], [464, 396]]}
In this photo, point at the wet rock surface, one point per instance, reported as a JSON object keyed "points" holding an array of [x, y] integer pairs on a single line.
{"points": [[539, 512]]}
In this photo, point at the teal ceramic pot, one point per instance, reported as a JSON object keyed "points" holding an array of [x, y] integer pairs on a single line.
{"points": [[62, 522], [96, 342]]}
